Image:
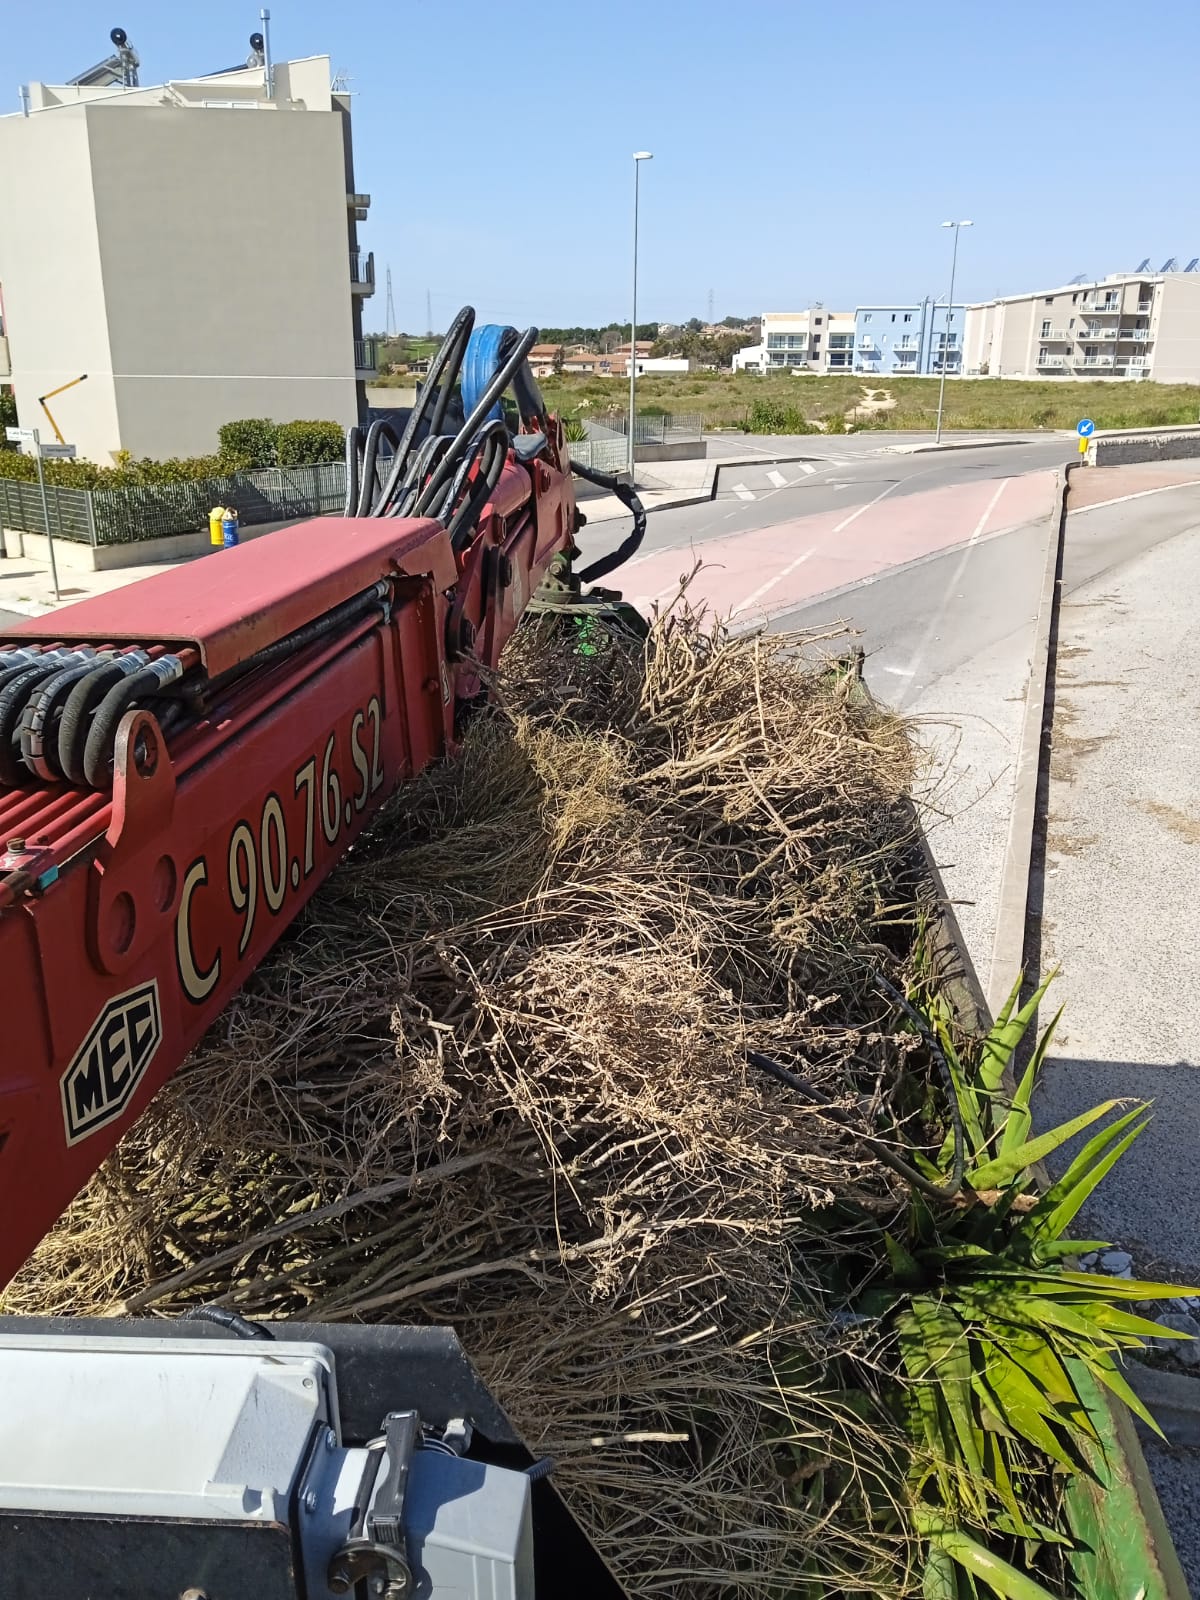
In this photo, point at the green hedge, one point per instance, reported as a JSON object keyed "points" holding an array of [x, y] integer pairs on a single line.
{"points": [[306, 444], [126, 474], [259, 442], [249, 442]]}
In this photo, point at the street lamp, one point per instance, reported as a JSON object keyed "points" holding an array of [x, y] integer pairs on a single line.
{"points": [[949, 314], [638, 157]]}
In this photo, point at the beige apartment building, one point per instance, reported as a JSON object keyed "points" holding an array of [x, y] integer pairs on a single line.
{"points": [[1128, 326], [192, 248], [818, 340]]}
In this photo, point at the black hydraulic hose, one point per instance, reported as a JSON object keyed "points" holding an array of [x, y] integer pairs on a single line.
{"points": [[381, 429], [443, 370], [81, 704], [102, 735], [884, 1151], [353, 460], [628, 495], [490, 467], [231, 1321], [328, 622], [13, 699], [496, 387], [41, 718]]}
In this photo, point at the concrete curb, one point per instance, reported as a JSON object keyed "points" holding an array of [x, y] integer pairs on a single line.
{"points": [[1008, 945], [967, 444], [1173, 1400]]}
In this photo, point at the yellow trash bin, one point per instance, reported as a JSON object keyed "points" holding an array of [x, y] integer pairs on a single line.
{"points": [[216, 533]]}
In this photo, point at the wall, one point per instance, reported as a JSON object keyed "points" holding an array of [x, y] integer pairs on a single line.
{"points": [[1177, 331], [223, 242], [50, 274]]}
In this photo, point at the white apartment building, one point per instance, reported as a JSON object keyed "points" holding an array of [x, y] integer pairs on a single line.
{"points": [[1128, 325], [192, 248]]}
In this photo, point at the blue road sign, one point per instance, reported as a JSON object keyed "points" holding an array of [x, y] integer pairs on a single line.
{"points": [[1085, 427]]}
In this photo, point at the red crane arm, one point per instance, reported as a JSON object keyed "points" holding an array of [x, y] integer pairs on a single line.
{"points": [[308, 674]]}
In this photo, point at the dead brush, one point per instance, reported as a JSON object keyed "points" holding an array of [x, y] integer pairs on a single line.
{"points": [[496, 1077]]}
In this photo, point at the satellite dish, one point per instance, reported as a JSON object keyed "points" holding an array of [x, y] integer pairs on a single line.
{"points": [[119, 37], [256, 41]]}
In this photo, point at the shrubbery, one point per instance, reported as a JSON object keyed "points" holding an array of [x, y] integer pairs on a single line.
{"points": [[246, 443]]}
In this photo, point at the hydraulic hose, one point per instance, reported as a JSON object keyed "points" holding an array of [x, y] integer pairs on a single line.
{"points": [[628, 496]]}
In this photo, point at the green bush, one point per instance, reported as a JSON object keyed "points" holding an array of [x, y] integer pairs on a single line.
{"points": [[834, 422], [300, 444], [126, 474], [248, 440], [772, 416]]}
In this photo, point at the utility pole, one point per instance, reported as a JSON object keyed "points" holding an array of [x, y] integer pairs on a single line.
{"points": [[710, 307], [389, 320], [946, 336], [428, 315], [638, 158]]}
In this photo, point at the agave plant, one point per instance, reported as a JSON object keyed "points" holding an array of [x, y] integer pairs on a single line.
{"points": [[992, 1325]]}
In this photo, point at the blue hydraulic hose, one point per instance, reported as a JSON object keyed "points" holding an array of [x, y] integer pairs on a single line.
{"points": [[480, 366]]}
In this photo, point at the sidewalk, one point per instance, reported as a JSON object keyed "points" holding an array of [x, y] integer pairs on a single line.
{"points": [[1121, 916]]}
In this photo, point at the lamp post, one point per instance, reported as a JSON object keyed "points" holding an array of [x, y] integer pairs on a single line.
{"points": [[949, 313], [638, 157]]}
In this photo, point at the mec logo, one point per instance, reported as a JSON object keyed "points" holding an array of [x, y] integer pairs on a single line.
{"points": [[111, 1061]]}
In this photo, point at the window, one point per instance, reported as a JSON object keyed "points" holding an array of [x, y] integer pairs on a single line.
{"points": [[906, 343], [1049, 300], [866, 316], [816, 340], [1071, 323], [816, 322], [893, 316], [908, 316], [950, 317], [1046, 330]]}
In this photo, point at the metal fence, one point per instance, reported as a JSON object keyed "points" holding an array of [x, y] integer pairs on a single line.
{"points": [[156, 511], [605, 455], [655, 429]]}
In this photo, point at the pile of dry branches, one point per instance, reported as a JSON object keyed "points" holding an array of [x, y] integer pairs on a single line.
{"points": [[497, 1078]]}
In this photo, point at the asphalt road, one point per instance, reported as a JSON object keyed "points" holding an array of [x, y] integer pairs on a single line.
{"points": [[837, 481], [9, 618]]}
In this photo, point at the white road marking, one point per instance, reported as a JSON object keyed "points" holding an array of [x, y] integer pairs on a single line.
{"points": [[787, 571], [778, 479], [936, 620], [771, 582], [743, 493], [901, 672], [806, 467]]}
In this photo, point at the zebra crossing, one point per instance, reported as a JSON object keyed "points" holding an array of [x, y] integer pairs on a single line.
{"points": [[756, 482]]}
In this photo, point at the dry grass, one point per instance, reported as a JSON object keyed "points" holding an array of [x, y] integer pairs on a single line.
{"points": [[496, 1078]]}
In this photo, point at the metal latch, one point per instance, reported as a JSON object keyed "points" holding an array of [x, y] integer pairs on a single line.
{"points": [[374, 1548]]}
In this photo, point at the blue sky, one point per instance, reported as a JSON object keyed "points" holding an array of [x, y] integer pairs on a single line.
{"points": [[801, 151]]}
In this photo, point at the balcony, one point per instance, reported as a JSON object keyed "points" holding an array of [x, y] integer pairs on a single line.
{"points": [[1145, 307], [1096, 361], [1107, 308], [1091, 334], [366, 359], [1058, 335], [1138, 335], [362, 272], [1048, 360], [360, 204]]}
